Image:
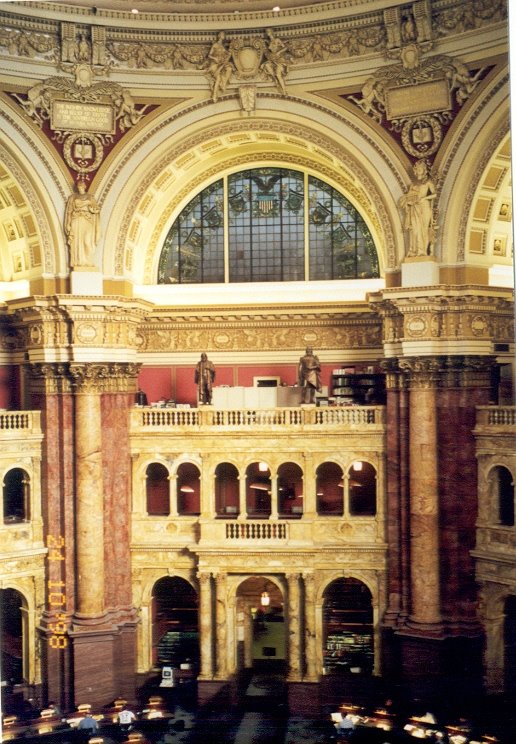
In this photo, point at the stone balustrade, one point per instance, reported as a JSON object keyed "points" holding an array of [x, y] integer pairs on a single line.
{"points": [[149, 418], [19, 421], [496, 416]]}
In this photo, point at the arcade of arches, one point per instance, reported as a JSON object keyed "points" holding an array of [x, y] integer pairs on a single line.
{"points": [[256, 347]]}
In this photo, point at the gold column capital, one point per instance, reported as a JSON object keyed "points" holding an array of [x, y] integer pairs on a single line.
{"points": [[106, 377], [437, 371]]}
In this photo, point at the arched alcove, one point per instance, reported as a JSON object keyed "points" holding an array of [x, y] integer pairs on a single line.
{"points": [[510, 645], [290, 490], [329, 489], [362, 489], [16, 496], [12, 629], [348, 627], [175, 623], [501, 486], [260, 606], [188, 489], [226, 490], [157, 488], [258, 488]]}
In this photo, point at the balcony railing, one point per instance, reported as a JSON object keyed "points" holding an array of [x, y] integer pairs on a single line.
{"points": [[20, 421], [255, 418], [256, 531], [499, 416]]}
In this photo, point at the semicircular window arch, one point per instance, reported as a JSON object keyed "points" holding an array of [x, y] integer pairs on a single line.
{"points": [[268, 224]]}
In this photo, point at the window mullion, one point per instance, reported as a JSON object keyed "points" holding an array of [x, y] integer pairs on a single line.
{"points": [[306, 232], [225, 192]]}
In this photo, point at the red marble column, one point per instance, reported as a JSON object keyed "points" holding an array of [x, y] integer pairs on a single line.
{"points": [[104, 624], [396, 509], [465, 384], [50, 392]]}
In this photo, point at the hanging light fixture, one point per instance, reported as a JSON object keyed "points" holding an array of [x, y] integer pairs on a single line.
{"points": [[265, 599], [357, 465], [263, 467]]}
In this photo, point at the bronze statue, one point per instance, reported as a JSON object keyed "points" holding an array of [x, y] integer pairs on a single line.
{"points": [[309, 374], [204, 376]]}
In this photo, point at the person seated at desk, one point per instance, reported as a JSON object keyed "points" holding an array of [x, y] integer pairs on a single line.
{"points": [[344, 727], [88, 726], [126, 718]]}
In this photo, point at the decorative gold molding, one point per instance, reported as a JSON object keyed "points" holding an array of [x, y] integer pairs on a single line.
{"points": [[445, 314], [66, 378], [259, 330], [446, 372], [104, 378]]}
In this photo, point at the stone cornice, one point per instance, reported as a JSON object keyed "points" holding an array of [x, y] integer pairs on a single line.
{"points": [[319, 32]]}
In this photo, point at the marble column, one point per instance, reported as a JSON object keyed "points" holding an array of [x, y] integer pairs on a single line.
{"points": [[294, 627], [397, 495], [274, 498], [309, 497], [310, 672], [206, 625], [89, 520], [425, 612], [221, 652], [242, 509]]}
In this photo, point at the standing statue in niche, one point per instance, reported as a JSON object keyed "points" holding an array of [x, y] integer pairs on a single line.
{"points": [[82, 226], [418, 204], [204, 377], [309, 375]]}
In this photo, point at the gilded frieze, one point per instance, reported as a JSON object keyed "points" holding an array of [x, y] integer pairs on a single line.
{"points": [[347, 35], [260, 334]]}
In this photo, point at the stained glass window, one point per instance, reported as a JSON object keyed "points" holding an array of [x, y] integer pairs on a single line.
{"points": [[268, 224]]}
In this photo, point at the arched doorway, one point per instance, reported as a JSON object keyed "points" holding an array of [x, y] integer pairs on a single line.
{"points": [[175, 623], [261, 629], [510, 645], [348, 628], [11, 635]]}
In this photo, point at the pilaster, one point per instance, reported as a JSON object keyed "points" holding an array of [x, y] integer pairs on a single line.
{"points": [[294, 627]]}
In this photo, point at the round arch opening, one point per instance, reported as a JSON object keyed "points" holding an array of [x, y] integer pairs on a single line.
{"points": [[175, 624], [12, 635], [261, 631], [348, 628]]}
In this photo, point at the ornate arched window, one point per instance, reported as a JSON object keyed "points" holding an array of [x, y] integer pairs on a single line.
{"points": [[268, 225]]}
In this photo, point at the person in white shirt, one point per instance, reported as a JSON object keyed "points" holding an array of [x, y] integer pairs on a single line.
{"points": [[126, 718]]}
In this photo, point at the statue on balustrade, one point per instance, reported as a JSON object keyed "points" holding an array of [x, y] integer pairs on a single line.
{"points": [[204, 377], [309, 374]]}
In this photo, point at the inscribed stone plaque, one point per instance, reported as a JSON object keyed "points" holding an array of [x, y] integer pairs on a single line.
{"points": [[83, 117], [423, 98]]}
